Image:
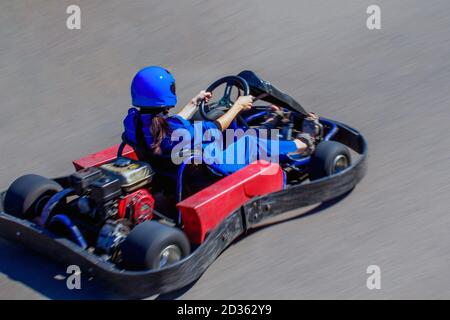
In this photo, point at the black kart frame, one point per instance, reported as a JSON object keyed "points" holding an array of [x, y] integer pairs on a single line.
{"points": [[138, 284]]}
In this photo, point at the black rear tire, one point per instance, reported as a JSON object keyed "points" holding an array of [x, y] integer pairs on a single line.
{"points": [[152, 245], [330, 157], [27, 195]]}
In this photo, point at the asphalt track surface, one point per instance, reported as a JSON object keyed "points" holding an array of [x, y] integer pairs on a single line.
{"points": [[64, 94]]}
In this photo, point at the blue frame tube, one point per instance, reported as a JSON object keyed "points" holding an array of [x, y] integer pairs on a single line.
{"points": [[51, 204], [301, 162], [73, 229], [255, 116], [334, 128]]}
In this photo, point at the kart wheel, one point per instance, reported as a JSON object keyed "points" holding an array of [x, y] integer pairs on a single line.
{"points": [[27, 195], [330, 157], [152, 245]]}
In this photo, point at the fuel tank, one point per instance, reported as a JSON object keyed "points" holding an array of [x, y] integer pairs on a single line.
{"points": [[132, 174]]}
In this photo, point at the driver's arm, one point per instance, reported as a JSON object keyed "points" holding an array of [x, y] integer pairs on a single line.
{"points": [[188, 110], [242, 103]]}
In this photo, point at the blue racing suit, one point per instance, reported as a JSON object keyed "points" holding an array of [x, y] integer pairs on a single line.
{"points": [[236, 155]]}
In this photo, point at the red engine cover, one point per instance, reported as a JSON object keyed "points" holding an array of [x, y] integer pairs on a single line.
{"points": [[137, 206]]}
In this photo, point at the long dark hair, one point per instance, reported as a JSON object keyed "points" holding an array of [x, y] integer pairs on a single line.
{"points": [[159, 129]]}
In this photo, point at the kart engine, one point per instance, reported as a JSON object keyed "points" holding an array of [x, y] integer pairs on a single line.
{"points": [[113, 198]]}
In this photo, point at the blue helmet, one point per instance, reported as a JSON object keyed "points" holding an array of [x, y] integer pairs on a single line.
{"points": [[153, 87]]}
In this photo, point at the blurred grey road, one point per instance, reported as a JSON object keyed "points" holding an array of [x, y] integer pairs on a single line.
{"points": [[63, 94]]}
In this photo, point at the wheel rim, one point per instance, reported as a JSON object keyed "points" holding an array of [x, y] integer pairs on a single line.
{"points": [[169, 255], [340, 163]]}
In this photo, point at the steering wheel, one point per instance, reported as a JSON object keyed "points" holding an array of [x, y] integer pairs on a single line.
{"points": [[224, 102]]}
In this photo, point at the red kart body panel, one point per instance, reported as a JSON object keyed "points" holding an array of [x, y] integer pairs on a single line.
{"points": [[102, 157], [206, 209]]}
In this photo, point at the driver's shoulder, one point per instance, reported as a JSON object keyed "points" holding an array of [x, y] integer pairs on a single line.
{"points": [[177, 120]]}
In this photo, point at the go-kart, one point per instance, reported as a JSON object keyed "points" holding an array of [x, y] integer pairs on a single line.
{"points": [[124, 219]]}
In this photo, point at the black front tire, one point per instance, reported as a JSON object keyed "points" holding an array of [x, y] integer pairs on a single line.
{"points": [[152, 245], [27, 195], [330, 157]]}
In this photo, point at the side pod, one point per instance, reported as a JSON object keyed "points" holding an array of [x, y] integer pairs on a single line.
{"points": [[203, 211]]}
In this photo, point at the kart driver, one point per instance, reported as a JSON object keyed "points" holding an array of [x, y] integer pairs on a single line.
{"points": [[153, 94]]}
